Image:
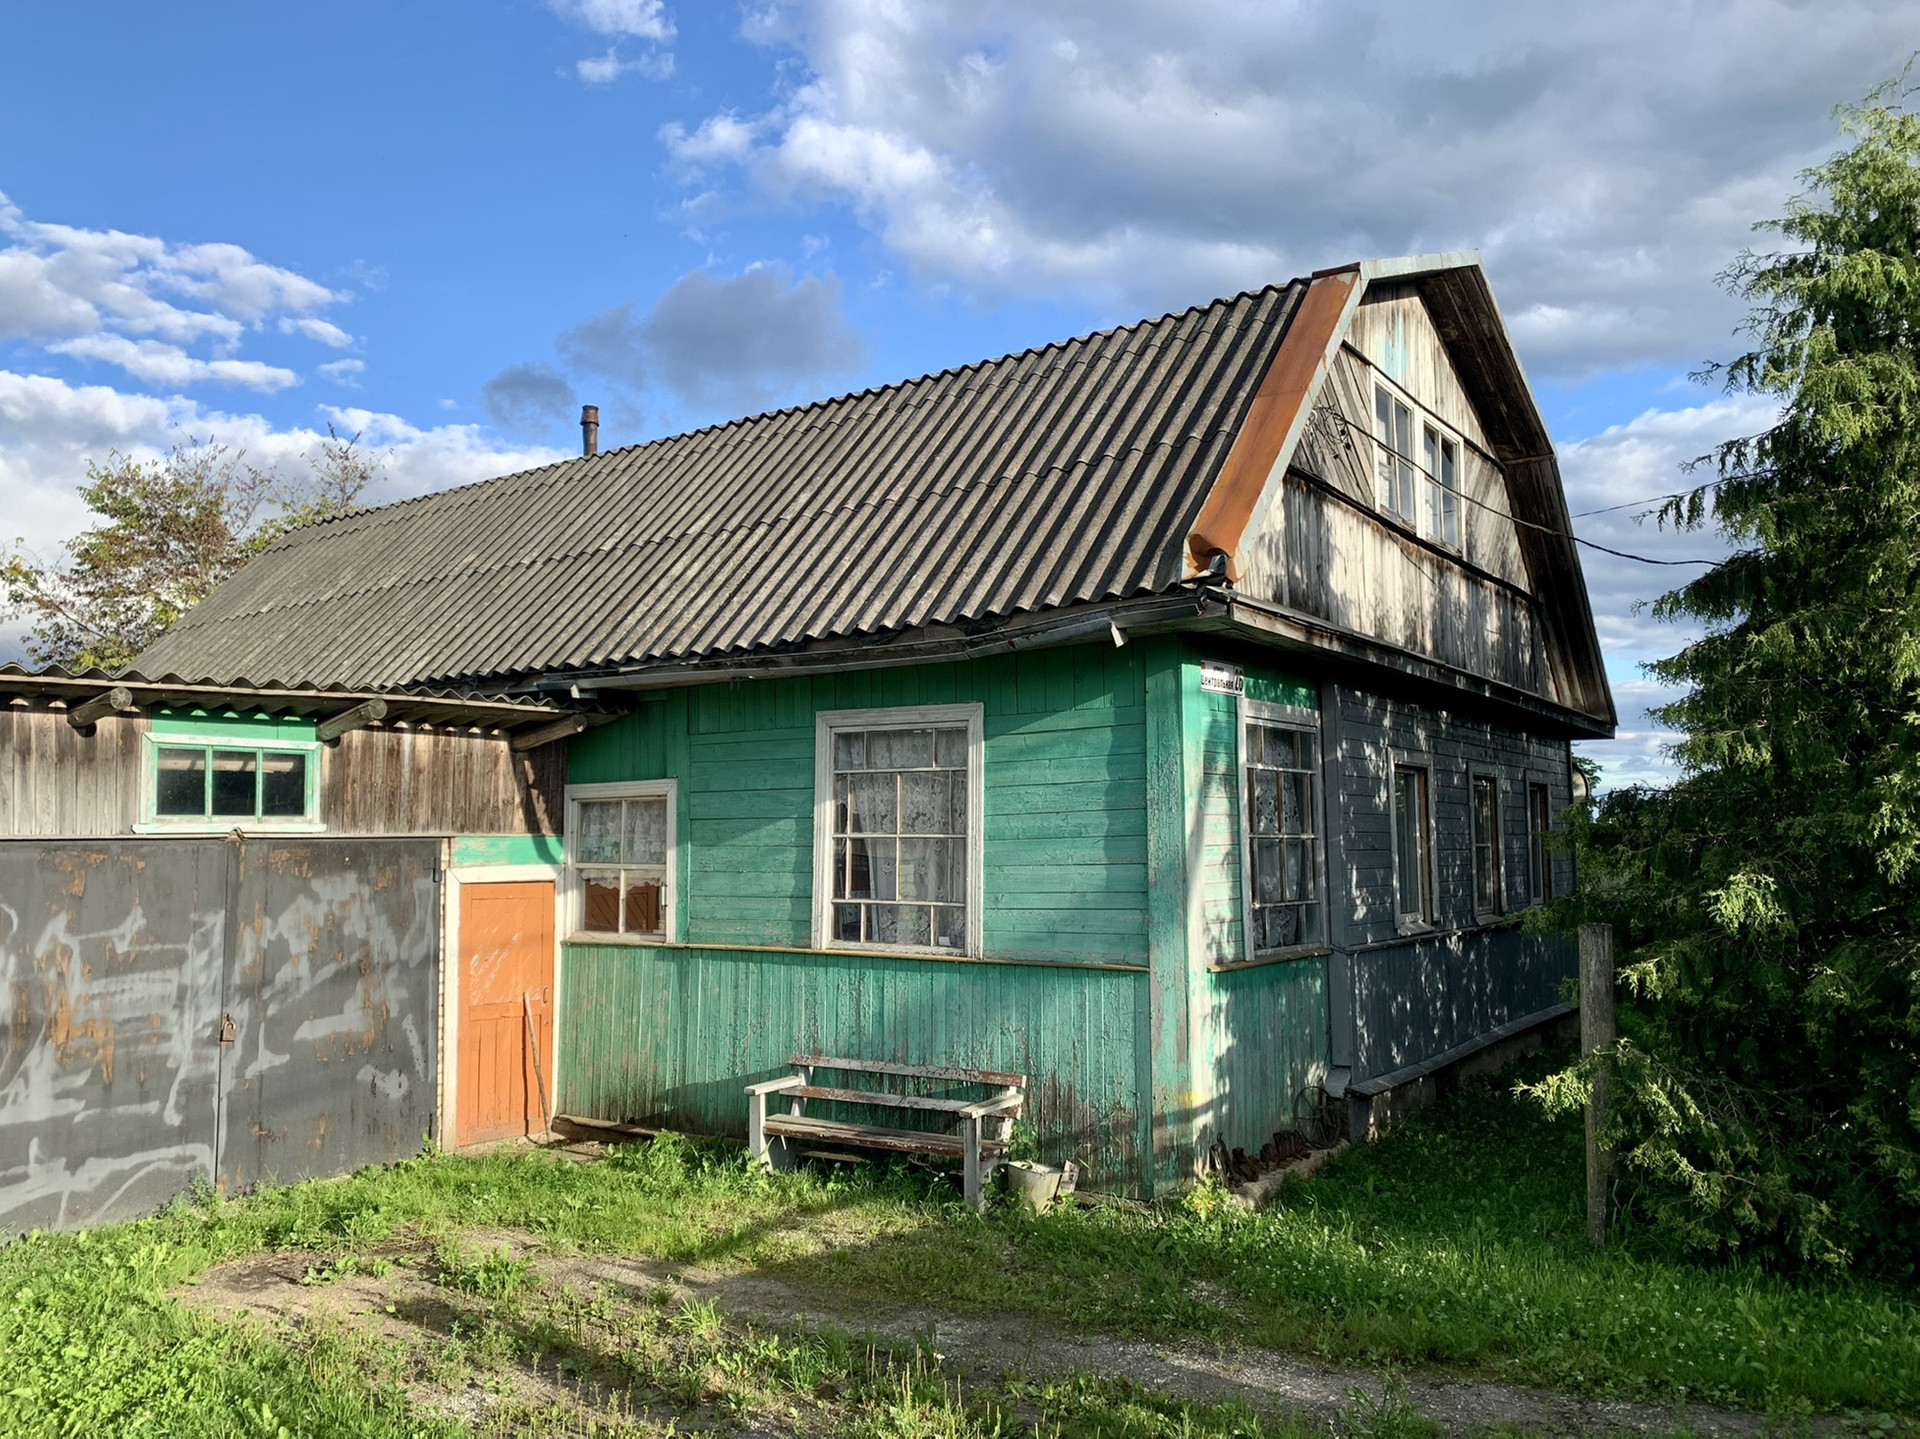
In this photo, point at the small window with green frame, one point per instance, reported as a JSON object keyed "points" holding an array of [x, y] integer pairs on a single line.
{"points": [[226, 783]]}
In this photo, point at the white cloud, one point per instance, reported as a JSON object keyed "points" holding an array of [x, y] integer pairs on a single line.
{"points": [[619, 20], [50, 430], [345, 372], [640, 19], [1623, 466], [60, 280], [605, 69], [323, 331], [162, 364], [1607, 159]]}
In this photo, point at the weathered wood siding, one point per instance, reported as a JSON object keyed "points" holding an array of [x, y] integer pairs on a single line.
{"points": [[378, 780], [671, 1034], [1402, 998], [1065, 864], [54, 781], [417, 780], [1325, 549]]}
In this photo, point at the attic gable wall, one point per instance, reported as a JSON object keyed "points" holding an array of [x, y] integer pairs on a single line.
{"points": [[1326, 549]]}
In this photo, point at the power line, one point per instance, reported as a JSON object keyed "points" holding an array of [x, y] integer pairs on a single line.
{"points": [[1650, 500], [1514, 519]]}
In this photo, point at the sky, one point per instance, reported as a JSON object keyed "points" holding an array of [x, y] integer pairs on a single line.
{"points": [[445, 226]]}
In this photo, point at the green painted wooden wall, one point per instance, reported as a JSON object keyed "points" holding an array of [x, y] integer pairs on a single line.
{"points": [[1112, 897], [672, 1033], [1065, 848]]}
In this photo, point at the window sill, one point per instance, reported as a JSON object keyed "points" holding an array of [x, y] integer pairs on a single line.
{"points": [[206, 828], [589, 936], [1278, 956]]}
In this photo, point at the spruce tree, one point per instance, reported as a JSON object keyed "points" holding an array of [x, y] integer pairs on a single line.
{"points": [[1768, 1075]]}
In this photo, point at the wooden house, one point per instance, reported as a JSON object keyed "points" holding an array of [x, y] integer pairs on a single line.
{"points": [[1179, 715]]}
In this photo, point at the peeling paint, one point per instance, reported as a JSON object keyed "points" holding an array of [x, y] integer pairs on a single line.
{"points": [[114, 1088]]}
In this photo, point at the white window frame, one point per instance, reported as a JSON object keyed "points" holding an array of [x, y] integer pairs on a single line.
{"points": [[153, 822], [1426, 485], [1475, 777], [573, 904], [827, 723], [1405, 920], [1294, 717]]}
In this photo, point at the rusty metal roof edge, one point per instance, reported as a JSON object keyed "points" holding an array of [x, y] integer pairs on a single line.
{"points": [[922, 645], [502, 709]]}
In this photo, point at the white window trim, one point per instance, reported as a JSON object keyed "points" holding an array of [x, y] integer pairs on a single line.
{"points": [[825, 724], [1430, 921], [1423, 419], [152, 823], [1285, 717], [1476, 773], [572, 906]]}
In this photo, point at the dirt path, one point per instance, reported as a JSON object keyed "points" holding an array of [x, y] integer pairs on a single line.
{"points": [[269, 1288]]}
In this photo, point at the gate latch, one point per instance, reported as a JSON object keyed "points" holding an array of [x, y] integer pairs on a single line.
{"points": [[229, 1032]]}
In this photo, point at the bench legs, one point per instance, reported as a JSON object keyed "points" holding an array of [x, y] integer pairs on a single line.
{"points": [[975, 1189]]}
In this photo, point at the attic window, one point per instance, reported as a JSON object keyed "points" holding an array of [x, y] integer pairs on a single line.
{"points": [[1420, 489]]}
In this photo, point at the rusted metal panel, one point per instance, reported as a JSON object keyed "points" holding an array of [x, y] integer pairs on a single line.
{"points": [[672, 1035], [111, 1065], [124, 958], [330, 982]]}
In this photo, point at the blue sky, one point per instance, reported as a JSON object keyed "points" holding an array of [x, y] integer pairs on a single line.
{"points": [[448, 225]]}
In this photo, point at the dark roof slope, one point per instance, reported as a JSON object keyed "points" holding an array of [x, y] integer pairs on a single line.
{"points": [[1059, 475]]}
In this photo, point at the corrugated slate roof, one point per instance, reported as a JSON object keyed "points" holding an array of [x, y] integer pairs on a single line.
{"points": [[1060, 475]]}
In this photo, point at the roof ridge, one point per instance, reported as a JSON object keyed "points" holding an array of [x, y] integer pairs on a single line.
{"points": [[316, 526]]}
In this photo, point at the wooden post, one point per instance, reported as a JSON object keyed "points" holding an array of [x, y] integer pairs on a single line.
{"points": [[1596, 1032]]}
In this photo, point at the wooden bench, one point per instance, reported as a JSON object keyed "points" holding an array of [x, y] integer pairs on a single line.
{"points": [[978, 1139]]}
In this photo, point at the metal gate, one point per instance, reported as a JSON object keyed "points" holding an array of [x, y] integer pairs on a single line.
{"points": [[235, 1009]]}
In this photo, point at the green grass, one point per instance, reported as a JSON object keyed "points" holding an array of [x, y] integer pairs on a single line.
{"points": [[1458, 1241]]}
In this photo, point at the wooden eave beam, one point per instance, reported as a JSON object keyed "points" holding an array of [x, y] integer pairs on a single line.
{"points": [[367, 712], [84, 717], [547, 734]]}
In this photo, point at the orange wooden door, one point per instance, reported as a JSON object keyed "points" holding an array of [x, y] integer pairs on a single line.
{"points": [[506, 968]]}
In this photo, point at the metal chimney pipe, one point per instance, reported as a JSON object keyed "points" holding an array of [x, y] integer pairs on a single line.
{"points": [[589, 429]]}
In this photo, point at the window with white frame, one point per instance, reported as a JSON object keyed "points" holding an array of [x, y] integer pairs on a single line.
{"points": [[229, 782], [1421, 489], [1412, 845], [1440, 455], [1281, 830], [620, 858], [1393, 429], [1487, 891], [898, 828]]}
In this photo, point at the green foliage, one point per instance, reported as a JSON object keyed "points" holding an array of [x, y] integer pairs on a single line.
{"points": [[1767, 1083], [1459, 1240], [170, 529]]}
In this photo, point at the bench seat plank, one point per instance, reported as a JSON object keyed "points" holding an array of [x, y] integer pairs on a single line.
{"points": [[917, 1071], [906, 1141], [884, 1098]]}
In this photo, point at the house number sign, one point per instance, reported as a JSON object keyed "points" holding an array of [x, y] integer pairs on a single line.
{"points": [[1219, 679]]}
